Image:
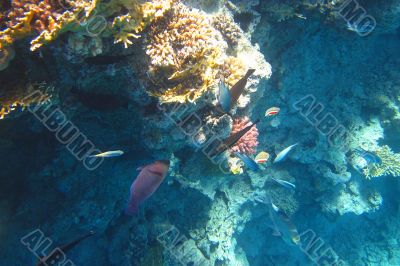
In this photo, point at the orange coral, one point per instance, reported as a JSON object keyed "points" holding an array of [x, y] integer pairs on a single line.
{"points": [[44, 17]]}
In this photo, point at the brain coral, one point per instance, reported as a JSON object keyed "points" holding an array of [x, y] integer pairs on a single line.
{"points": [[248, 143]]}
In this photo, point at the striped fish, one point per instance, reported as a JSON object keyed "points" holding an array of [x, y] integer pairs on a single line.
{"points": [[272, 111], [262, 157]]}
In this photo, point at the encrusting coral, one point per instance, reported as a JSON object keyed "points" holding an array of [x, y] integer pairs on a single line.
{"points": [[248, 143], [390, 164]]}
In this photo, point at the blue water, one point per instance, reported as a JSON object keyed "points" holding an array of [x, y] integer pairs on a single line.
{"points": [[199, 215]]}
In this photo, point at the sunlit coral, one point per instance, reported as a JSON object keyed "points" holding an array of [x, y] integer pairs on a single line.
{"points": [[232, 70], [43, 19], [226, 25], [183, 52], [390, 164], [248, 143], [129, 26]]}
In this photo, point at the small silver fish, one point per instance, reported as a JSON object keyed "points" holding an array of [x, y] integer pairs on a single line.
{"points": [[284, 183], [283, 153], [108, 154]]}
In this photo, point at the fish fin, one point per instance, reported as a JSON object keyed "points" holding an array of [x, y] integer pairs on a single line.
{"points": [[274, 207], [250, 72]]}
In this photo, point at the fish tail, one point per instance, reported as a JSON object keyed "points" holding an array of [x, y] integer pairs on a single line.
{"points": [[250, 72], [132, 209]]}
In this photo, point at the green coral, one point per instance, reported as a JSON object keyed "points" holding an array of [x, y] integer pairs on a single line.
{"points": [[390, 164]]}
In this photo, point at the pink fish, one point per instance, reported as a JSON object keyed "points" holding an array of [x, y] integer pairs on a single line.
{"points": [[146, 183]]}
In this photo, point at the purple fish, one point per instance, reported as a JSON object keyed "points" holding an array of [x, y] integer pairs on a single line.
{"points": [[146, 183]]}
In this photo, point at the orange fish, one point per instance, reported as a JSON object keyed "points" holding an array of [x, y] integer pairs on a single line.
{"points": [[262, 157], [272, 111]]}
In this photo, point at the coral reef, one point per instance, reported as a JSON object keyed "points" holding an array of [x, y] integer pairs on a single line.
{"points": [[138, 17], [17, 97], [249, 142], [183, 50], [45, 20], [226, 25], [390, 164], [6, 55]]}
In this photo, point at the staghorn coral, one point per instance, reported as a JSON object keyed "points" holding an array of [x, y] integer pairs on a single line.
{"points": [[183, 55], [230, 31], [248, 143], [43, 19], [390, 164]]}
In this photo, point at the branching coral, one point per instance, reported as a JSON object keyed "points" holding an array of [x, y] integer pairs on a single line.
{"points": [[248, 143], [187, 56], [138, 17], [230, 31], [17, 96], [390, 164], [43, 19], [183, 51]]}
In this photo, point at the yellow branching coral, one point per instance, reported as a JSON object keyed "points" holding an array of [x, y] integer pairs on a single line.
{"points": [[390, 164], [140, 15], [44, 19], [184, 53], [17, 96]]}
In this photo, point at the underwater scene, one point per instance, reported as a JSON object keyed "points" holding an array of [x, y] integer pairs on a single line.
{"points": [[199, 132]]}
